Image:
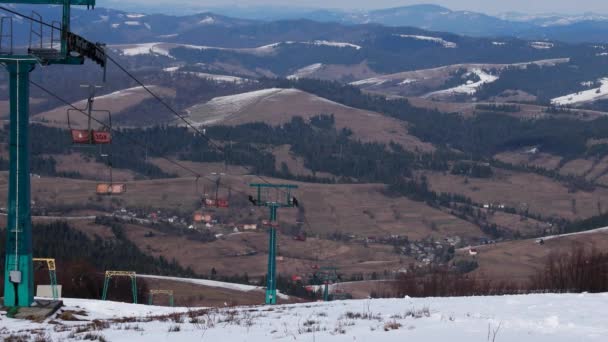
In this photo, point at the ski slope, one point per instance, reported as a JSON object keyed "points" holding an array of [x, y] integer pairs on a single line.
{"points": [[526, 318]]}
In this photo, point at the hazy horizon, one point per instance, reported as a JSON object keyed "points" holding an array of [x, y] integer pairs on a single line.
{"points": [[490, 7]]}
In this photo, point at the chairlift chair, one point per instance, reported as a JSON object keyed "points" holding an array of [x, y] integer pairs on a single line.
{"points": [[90, 136]]}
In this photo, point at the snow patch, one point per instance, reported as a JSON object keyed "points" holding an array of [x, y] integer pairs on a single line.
{"points": [[335, 44], [135, 15], [115, 25], [221, 108], [470, 88], [408, 81], [207, 21], [168, 35], [132, 23], [499, 43], [542, 45], [584, 96], [374, 81], [144, 49], [443, 42], [305, 71]]}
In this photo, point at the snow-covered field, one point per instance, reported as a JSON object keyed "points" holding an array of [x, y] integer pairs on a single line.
{"points": [[443, 42], [470, 87], [584, 96], [537, 318]]}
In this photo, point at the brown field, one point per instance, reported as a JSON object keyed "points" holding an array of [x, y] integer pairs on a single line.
{"points": [[271, 108], [541, 194], [355, 209], [544, 160], [519, 260], [90, 169], [516, 223], [226, 254]]}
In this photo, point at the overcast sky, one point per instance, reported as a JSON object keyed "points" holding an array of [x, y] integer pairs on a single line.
{"points": [[487, 6]]}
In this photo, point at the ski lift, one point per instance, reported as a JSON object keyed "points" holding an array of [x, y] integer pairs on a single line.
{"points": [[110, 188], [90, 136], [217, 201]]}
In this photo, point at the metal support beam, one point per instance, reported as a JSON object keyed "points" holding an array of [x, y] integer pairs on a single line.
{"points": [[51, 266], [19, 270], [110, 274]]}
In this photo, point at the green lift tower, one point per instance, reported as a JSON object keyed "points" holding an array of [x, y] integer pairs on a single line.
{"points": [[73, 49], [287, 202]]}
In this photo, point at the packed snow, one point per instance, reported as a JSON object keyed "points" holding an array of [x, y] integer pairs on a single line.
{"points": [[443, 42], [499, 43], [470, 88], [526, 318], [135, 15], [584, 96], [132, 23], [305, 71]]}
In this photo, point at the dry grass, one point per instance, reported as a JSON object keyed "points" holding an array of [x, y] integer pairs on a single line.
{"points": [[519, 260], [541, 194]]}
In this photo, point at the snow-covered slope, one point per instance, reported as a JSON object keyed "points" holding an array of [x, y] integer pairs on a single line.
{"points": [[529, 318], [584, 96]]}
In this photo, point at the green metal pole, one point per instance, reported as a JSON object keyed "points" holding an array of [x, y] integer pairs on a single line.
{"points": [[65, 26], [19, 269], [171, 300], [150, 299], [106, 282], [326, 292], [134, 286], [53, 276], [271, 284]]}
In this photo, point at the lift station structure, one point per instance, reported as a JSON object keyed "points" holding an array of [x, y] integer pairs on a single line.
{"points": [[273, 205], [73, 49]]}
